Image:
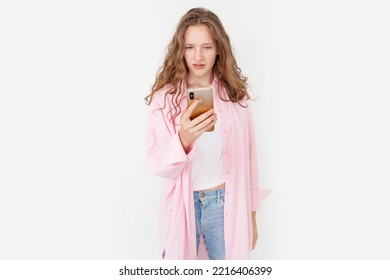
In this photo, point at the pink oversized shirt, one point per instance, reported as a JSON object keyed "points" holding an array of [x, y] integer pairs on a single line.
{"points": [[166, 158]]}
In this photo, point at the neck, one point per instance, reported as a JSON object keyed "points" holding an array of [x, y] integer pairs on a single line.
{"points": [[195, 82]]}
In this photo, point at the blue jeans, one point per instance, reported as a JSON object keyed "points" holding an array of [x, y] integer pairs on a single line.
{"points": [[209, 217]]}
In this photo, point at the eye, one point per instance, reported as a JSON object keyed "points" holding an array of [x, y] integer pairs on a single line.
{"points": [[189, 47], [207, 47]]}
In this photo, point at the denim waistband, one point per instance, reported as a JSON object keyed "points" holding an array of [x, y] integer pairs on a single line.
{"points": [[209, 193]]}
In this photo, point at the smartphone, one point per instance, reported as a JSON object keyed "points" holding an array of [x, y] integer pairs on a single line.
{"points": [[206, 103]]}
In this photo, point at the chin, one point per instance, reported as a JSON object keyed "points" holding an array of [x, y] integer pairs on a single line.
{"points": [[201, 74]]}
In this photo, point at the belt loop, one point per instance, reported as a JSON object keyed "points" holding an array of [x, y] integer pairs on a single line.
{"points": [[217, 196]]}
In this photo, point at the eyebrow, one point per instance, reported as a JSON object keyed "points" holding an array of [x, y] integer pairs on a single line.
{"points": [[204, 44]]}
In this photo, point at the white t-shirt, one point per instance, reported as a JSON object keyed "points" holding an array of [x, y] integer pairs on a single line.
{"points": [[207, 165]]}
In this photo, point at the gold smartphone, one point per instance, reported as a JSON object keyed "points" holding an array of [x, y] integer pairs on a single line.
{"points": [[206, 103]]}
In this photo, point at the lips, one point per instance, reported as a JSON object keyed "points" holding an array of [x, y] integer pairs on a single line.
{"points": [[198, 66]]}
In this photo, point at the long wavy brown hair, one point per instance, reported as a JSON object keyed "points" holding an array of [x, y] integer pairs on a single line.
{"points": [[174, 70]]}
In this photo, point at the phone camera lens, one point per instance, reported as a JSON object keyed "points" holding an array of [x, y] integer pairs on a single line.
{"points": [[191, 95]]}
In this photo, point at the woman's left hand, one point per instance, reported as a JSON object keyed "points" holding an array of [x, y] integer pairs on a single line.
{"points": [[254, 228]]}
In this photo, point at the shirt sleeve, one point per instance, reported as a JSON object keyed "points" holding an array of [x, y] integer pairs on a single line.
{"points": [[165, 155], [257, 194]]}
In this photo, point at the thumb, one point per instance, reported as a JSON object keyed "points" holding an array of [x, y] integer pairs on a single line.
{"points": [[187, 112]]}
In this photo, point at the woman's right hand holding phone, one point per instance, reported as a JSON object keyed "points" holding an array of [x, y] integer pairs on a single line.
{"points": [[190, 130]]}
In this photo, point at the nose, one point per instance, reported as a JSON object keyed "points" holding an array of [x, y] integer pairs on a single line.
{"points": [[198, 54]]}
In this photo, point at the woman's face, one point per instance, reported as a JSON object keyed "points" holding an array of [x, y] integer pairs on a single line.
{"points": [[200, 52]]}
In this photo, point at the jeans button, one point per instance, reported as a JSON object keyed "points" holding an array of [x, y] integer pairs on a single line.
{"points": [[202, 194]]}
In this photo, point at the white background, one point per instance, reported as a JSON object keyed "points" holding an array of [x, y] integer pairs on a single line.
{"points": [[73, 75]]}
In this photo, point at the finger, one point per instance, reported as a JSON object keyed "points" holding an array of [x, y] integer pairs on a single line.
{"points": [[206, 124], [202, 117], [187, 113], [203, 127], [210, 127]]}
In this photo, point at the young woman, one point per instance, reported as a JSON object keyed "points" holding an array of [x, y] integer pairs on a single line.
{"points": [[211, 193]]}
